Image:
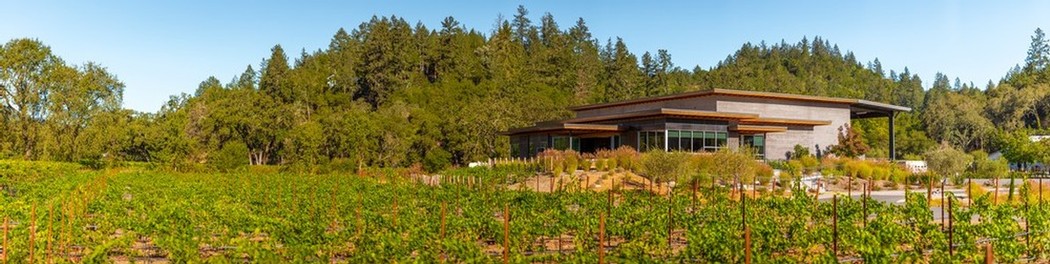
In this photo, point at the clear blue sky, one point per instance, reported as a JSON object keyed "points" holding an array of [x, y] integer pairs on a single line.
{"points": [[161, 48]]}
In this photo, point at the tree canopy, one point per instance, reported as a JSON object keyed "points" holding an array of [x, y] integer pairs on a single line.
{"points": [[390, 93]]}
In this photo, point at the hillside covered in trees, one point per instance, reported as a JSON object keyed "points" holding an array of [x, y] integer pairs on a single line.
{"points": [[389, 93]]}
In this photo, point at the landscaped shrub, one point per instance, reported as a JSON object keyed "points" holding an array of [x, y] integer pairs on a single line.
{"points": [[627, 158], [974, 190], [436, 160], [661, 166], [586, 160], [810, 164], [557, 167], [233, 156], [764, 173], [572, 161]]}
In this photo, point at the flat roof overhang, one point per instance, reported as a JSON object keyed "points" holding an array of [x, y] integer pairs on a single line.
{"points": [[716, 91], [757, 129], [563, 128], [859, 108], [784, 121], [664, 112], [868, 109]]}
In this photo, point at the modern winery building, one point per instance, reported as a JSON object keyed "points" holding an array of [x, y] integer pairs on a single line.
{"points": [[770, 123]]}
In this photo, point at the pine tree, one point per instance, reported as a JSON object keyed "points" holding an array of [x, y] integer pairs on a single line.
{"points": [[275, 74]]}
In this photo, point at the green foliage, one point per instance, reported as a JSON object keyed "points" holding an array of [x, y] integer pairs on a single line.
{"points": [[799, 151], [386, 92], [738, 165], [947, 161], [661, 166], [850, 143], [311, 218], [983, 167], [437, 160], [233, 156]]}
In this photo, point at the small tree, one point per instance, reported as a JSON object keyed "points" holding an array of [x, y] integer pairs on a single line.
{"points": [[799, 151], [738, 164], [945, 161], [851, 143], [662, 167], [1017, 147]]}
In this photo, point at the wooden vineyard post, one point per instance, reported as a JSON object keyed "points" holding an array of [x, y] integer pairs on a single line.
{"points": [[601, 239], [864, 205], [989, 254], [395, 213], [754, 190], [772, 186], [50, 230], [995, 195], [32, 232], [969, 191], [743, 212], [835, 225], [1040, 190], [692, 201], [747, 231], [443, 205], [951, 229], [6, 248], [747, 245], [506, 234], [849, 187], [670, 218], [1027, 233], [943, 221], [360, 224]]}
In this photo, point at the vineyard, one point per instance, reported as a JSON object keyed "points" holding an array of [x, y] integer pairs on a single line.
{"points": [[61, 213]]}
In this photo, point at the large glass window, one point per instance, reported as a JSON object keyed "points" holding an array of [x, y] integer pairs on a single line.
{"points": [[565, 142], [650, 140], [696, 141], [673, 140], [756, 142]]}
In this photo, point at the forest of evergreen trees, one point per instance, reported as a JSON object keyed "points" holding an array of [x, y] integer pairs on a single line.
{"points": [[388, 93]]}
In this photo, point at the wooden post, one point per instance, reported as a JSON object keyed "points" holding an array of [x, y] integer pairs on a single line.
{"points": [[743, 211], [995, 195], [773, 186], [747, 245], [360, 224], [1040, 190], [835, 225], [6, 248], [50, 232], [951, 229], [969, 192], [989, 254], [849, 187], [943, 222], [692, 202], [32, 233], [670, 217], [601, 239], [506, 234], [443, 205], [864, 206], [1027, 233], [395, 213]]}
